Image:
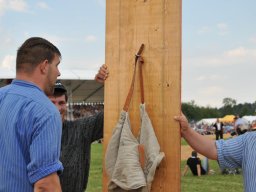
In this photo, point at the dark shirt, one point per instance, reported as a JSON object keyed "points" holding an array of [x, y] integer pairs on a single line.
{"points": [[77, 137], [192, 162], [216, 127]]}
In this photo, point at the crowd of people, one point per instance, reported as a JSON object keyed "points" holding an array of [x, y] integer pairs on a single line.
{"points": [[82, 110], [236, 127]]}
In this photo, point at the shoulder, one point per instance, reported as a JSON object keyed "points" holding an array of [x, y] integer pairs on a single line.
{"points": [[29, 97]]}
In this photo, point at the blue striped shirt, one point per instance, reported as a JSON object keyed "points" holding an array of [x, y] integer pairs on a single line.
{"points": [[240, 152], [30, 137]]}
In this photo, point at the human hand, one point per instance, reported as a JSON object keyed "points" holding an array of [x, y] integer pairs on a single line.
{"points": [[183, 122], [102, 74]]}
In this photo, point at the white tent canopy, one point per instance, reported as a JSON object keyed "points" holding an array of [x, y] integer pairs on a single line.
{"points": [[80, 84], [208, 121], [249, 118]]}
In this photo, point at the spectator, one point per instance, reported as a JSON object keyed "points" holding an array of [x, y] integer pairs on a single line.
{"points": [[241, 126], [77, 137], [195, 165], [218, 129]]}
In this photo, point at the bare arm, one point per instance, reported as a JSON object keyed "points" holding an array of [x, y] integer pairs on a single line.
{"points": [[50, 183], [198, 170], [198, 142], [185, 170]]}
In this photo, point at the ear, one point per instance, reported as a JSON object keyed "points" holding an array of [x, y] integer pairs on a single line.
{"points": [[44, 66]]}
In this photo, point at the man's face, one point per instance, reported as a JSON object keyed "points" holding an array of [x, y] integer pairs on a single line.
{"points": [[60, 103], [53, 73]]}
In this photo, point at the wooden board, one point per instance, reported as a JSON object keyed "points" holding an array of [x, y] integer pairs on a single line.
{"points": [[157, 24]]}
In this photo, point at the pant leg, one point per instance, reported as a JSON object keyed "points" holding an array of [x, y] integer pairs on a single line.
{"points": [[221, 135], [217, 135]]}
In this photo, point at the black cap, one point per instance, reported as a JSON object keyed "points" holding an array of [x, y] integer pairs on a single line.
{"points": [[59, 87]]}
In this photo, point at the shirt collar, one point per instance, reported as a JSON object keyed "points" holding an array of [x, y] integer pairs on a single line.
{"points": [[25, 84]]}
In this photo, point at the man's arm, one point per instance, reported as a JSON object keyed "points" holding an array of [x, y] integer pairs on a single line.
{"points": [[198, 170], [50, 183], [198, 142]]}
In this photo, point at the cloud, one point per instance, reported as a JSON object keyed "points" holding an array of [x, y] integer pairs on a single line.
{"points": [[203, 30], [90, 38], [205, 96], [253, 39], [2, 6], [18, 5], [14, 5], [211, 90], [236, 56], [205, 61], [209, 77], [241, 52], [8, 62], [42, 5], [223, 29]]}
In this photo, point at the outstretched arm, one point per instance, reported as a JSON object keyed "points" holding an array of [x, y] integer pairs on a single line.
{"points": [[199, 143]]}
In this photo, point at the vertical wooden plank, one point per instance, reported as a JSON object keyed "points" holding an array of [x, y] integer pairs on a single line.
{"points": [[157, 24], [111, 99]]}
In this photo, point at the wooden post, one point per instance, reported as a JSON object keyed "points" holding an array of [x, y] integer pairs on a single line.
{"points": [[157, 24]]}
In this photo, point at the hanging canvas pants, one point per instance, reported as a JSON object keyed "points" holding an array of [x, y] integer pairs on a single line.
{"points": [[122, 160]]}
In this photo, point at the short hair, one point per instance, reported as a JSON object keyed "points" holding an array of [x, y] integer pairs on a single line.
{"points": [[58, 93], [34, 51], [194, 153]]}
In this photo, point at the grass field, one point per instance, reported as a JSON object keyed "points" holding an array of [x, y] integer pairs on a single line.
{"points": [[189, 183]]}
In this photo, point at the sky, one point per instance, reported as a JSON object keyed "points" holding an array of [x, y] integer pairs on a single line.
{"points": [[218, 42]]}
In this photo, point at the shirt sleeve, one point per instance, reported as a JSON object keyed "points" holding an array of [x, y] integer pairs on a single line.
{"points": [[230, 152], [93, 127], [45, 148]]}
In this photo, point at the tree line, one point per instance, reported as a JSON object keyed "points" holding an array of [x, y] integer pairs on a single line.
{"points": [[230, 107]]}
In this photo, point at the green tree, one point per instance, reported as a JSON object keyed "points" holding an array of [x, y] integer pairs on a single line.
{"points": [[228, 102]]}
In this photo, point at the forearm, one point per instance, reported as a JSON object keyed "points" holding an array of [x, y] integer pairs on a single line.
{"points": [[200, 143], [198, 170], [50, 183]]}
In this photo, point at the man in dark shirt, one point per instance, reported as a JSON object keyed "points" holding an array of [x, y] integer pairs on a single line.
{"points": [[194, 163], [219, 126], [77, 137]]}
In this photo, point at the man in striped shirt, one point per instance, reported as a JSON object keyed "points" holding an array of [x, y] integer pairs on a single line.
{"points": [[30, 125], [238, 152]]}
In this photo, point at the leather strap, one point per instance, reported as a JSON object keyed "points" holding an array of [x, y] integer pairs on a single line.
{"points": [[138, 59], [141, 61]]}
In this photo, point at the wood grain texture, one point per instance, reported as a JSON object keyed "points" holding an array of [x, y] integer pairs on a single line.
{"points": [[157, 24]]}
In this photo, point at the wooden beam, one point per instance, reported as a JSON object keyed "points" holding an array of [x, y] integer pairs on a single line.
{"points": [[157, 24]]}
